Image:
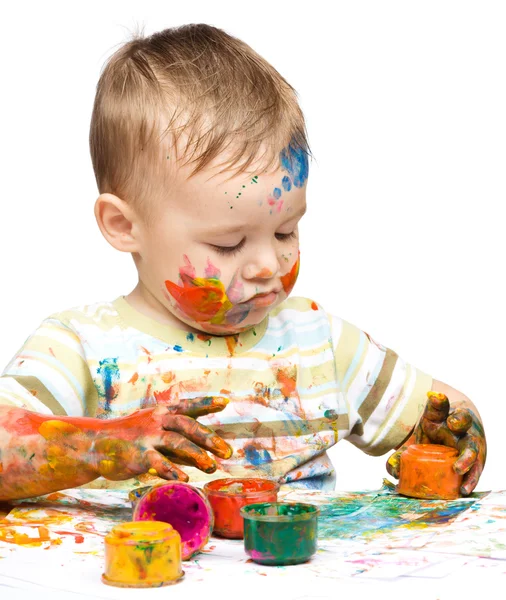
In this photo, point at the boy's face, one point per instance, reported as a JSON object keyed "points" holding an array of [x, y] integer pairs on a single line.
{"points": [[221, 252]]}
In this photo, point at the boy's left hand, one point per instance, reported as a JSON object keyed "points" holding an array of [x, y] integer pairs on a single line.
{"points": [[455, 426]]}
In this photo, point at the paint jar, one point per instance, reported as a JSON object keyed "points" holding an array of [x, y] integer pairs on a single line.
{"points": [[228, 496], [185, 507], [278, 533], [142, 554], [426, 471]]}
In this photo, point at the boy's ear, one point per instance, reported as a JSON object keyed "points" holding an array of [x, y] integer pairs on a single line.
{"points": [[117, 222]]}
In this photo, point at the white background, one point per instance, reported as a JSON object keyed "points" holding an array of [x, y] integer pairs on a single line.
{"points": [[405, 104]]}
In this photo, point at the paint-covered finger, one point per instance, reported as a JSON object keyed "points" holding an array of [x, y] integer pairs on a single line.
{"points": [[437, 407], [439, 434], [157, 464], [466, 459], [394, 464], [420, 436], [199, 434], [471, 479], [175, 445], [198, 407], [459, 421]]}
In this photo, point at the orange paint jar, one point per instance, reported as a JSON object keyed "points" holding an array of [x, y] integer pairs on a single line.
{"points": [[228, 496], [427, 472], [142, 554]]}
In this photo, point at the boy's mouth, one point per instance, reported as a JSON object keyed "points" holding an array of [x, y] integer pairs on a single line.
{"points": [[263, 300]]}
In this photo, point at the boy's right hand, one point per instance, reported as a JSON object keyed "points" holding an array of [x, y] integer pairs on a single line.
{"points": [[145, 441]]}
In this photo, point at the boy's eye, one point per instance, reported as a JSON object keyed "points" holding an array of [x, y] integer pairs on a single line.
{"points": [[229, 250], [283, 237]]}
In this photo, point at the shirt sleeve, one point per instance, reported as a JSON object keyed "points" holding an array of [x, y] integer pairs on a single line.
{"points": [[384, 395], [49, 374]]}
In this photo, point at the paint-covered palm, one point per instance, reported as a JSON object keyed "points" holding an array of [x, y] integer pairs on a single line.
{"points": [[154, 439], [454, 426]]}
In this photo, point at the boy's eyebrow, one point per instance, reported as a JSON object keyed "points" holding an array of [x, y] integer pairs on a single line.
{"points": [[219, 229]]}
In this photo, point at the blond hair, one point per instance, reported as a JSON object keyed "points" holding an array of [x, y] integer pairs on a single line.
{"points": [[188, 93]]}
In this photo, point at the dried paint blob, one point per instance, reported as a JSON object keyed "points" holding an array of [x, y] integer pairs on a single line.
{"points": [[228, 496], [426, 471], [183, 506], [280, 533], [142, 554]]}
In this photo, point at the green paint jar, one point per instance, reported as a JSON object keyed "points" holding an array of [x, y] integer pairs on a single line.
{"points": [[279, 533]]}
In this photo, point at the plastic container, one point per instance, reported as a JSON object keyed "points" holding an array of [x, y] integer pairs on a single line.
{"points": [[185, 507], [277, 533], [228, 496], [142, 554], [426, 471]]}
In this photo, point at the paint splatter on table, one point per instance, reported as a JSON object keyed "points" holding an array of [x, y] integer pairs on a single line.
{"points": [[364, 537]]}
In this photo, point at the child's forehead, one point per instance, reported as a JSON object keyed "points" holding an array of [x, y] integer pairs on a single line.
{"points": [[212, 185], [212, 197]]}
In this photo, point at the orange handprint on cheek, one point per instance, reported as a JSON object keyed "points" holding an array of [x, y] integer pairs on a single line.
{"points": [[288, 280]]}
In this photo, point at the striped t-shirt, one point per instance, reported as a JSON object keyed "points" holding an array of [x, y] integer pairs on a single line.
{"points": [[298, 383]]}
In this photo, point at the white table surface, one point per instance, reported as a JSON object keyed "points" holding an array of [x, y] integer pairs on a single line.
{"points": [[359, 556]]}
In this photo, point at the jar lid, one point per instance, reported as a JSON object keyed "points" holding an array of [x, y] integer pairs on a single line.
{"points": [[141, 532]]}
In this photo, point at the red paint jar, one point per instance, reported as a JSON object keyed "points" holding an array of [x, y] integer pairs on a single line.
{"points": [[228, 496], [426, 471]]}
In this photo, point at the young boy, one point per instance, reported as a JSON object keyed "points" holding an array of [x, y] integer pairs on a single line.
{"points": [[201, 158]]}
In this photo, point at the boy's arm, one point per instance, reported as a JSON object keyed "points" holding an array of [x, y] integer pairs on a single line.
{"points": [[451, 419], [40, 454]]}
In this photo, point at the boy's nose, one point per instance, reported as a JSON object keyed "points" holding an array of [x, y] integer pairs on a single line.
{"points": [[264, 268]]}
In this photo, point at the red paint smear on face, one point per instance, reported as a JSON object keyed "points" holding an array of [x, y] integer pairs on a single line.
{"points": [[200, 299], [288, 280]]}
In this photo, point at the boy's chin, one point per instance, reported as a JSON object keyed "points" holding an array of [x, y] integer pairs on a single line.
{"points": [[231, 327], [225, 329]]}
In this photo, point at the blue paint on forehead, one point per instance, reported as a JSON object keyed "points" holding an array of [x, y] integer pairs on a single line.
{"points": [[276, 193], [286, 183], [294, 160]]}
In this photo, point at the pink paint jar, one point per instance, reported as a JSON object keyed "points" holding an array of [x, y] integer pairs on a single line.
{"points": [[228, 496], [181, 505]]}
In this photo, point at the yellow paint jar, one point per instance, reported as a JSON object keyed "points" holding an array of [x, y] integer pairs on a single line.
{"points": [[142, 554]]}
